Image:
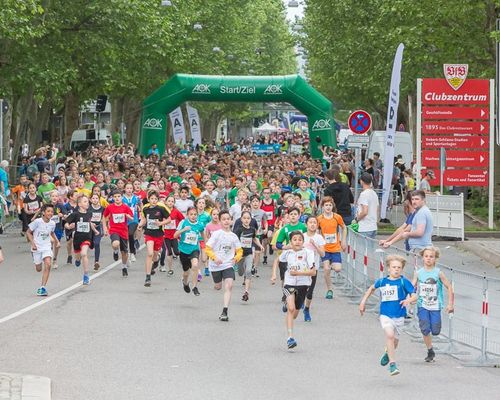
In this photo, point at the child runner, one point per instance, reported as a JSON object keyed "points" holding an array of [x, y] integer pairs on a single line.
{"points": [[261, 218], [57, 218], [183, 202], [299, 271], [203, 219], [247, 236], [224, 250], [394, 292], [269, 207], [330, 224], [97, 211], [115, 224], [69, 207], [170, 246], [153, 218], [189, 235], [31, 205], [83, 238], [134, 202], [40, 233], [316, 243], [429, 282]]}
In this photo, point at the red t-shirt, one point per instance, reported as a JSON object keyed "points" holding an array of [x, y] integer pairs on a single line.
{"points": [[169, 229], [270, 210], [118, 219], [141, 194]]}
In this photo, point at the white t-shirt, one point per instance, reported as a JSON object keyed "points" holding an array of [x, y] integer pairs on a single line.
{"points": [[41, 233], [183, 205], [224, 245], [369, 198], [213, 196], [302, 260], [320, 241], [235, 211]]}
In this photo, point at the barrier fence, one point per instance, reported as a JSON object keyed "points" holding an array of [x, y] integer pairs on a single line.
{"points": [[475, 322]]}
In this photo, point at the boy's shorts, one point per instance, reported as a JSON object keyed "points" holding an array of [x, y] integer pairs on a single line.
{"points": [[429, 321], [334, 258], [38, 256], [59, 233], [157, 241], [396, 324]]}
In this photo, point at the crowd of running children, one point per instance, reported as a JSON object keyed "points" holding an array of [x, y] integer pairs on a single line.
{"points": [[221, 216]]}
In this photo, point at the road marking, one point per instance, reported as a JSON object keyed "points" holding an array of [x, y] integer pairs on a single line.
{"points": [[60, 293]]}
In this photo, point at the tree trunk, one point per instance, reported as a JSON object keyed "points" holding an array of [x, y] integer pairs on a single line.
{"points": [[132, 118], [71, 116]]}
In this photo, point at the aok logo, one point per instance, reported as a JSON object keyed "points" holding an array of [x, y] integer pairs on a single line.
{"points": [[273, 89], [321, 124], [153, 123], [201, 88]]}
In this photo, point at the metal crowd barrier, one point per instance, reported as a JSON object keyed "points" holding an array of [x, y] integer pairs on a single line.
{"points": [[475, 322]]}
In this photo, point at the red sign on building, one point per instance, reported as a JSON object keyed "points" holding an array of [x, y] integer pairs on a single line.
{"points": [[454, 158], [455, 142], [455, 113]]}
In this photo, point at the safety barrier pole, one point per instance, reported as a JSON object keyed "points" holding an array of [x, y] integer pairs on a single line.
{"points": [[347, 285], [356, 297]]}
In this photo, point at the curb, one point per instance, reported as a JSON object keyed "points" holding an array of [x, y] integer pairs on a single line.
{"points": [[25, 387], [481, 250]]}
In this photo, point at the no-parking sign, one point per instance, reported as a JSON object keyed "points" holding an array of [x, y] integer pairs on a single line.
{"points": [[360, 122]]}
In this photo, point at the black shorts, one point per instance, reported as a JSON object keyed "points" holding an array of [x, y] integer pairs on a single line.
{"points": [[68, 233], [299, 292], [310, 291], [123, 242], [172, 246], [282, 266], [227, 273], [79, 242], [186, 259]]}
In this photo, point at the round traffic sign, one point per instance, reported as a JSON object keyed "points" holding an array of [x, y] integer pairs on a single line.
{"points": [[360, 122]]}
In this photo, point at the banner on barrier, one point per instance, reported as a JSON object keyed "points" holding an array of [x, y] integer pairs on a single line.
{"points": [[265, 149]]}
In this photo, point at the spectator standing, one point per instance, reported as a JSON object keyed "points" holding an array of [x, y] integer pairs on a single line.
{"points": [[368, 205]]}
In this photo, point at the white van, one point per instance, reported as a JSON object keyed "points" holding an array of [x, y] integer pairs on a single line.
{"points": [[403, 144], [342, 137], [81, 139]]}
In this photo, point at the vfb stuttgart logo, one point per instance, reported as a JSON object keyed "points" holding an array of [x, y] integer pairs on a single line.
{"points": [[201, 88], [322, 124], [153, 123], [273, 89], [456, 74]]}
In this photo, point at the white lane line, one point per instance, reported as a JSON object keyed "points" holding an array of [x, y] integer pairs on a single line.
{"points": [[60, 293]]}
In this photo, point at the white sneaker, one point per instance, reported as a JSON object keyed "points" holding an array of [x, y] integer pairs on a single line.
{"points": [[132, 257], [163, 269], [54, 264]]}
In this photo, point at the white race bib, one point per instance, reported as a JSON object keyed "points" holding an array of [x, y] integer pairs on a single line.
{"points": [[96, 217], [246, 242], [83, 227], [389, 293], [429, 295], [331, 238], [56, 219], [171, 225], [151, 224], [191, 238], [33, 206], [269, 215], [118, 218]]}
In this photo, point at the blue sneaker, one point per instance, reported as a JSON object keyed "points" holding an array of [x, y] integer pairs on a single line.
{"points": [[41, 291], [307, 315], [86, 280], [291, 343], [385, 359], [78, 262], [393, 369], [207, 272], [329, 295]]}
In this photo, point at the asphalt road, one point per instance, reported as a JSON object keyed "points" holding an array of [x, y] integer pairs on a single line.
{"points": [[118, 340]]}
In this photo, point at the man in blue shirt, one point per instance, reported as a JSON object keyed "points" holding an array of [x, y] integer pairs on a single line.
{"points": [[420, 235], [153, 150]]}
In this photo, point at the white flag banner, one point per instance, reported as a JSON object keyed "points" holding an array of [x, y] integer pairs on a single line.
{"points": [[390, 132], [194, 124], [178, 126]]}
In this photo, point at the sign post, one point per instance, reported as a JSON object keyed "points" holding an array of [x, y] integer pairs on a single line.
{"points": [[357, 162], [442, 166], [360, 122]]}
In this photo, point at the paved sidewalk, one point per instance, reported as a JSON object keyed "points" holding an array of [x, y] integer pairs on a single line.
{"points": [[486, 249], [24, 387]]}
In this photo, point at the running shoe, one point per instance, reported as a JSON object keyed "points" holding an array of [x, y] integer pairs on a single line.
{"points": [[170, 272], [265, 260], [271, 251], [186, 287], [393, 369], [430, 355], [137, 244], [124, 272], [115, 255], [54, 264], [223, 317], [41, 291], [196, 292], [163, 269], [200, 277], [245, 296], [329, 295], [385, 359], [174, 257], [69, 260], [291, 343], [97, 266], [307, 315], [147, 282], [284, 307], [207, 272], [86, 280], [132, 257], [153, 267], [78, 262], [253, 271]]}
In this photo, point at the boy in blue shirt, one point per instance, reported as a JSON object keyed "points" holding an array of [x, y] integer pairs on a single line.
{"points": [[396, 293]]}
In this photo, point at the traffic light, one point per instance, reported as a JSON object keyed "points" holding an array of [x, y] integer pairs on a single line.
{"points": [[100, 105]]}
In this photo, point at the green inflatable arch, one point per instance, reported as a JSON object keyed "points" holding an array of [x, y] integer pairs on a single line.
{"points": [[289, 88]]}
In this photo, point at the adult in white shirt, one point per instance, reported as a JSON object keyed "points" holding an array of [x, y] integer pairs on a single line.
{"points": [[368, 206]]}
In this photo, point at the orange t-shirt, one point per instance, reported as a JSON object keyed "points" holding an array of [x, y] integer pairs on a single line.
{"points": [[329, 230], [20, 193]]}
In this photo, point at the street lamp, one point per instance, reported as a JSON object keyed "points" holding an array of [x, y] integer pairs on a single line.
{"points": [[216, 49], [166, 3], [293, 4], [197, 27]]}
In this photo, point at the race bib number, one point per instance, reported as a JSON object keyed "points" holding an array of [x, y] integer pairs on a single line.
{"points": [[43, 235], [83, 227], [33, 206], [269, 215], [56, 219], [429, 294], [331, 238], [246, 243], [191, 238], [151, 224], [118, 218], [307, 203], [171, 225], [96, 217], [389, 293], [226, 249]]}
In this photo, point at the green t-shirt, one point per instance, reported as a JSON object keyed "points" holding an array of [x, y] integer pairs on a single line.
{"points": [[284, 235], [45, 189], [177, 179], [232, 196], [89, 185]]}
